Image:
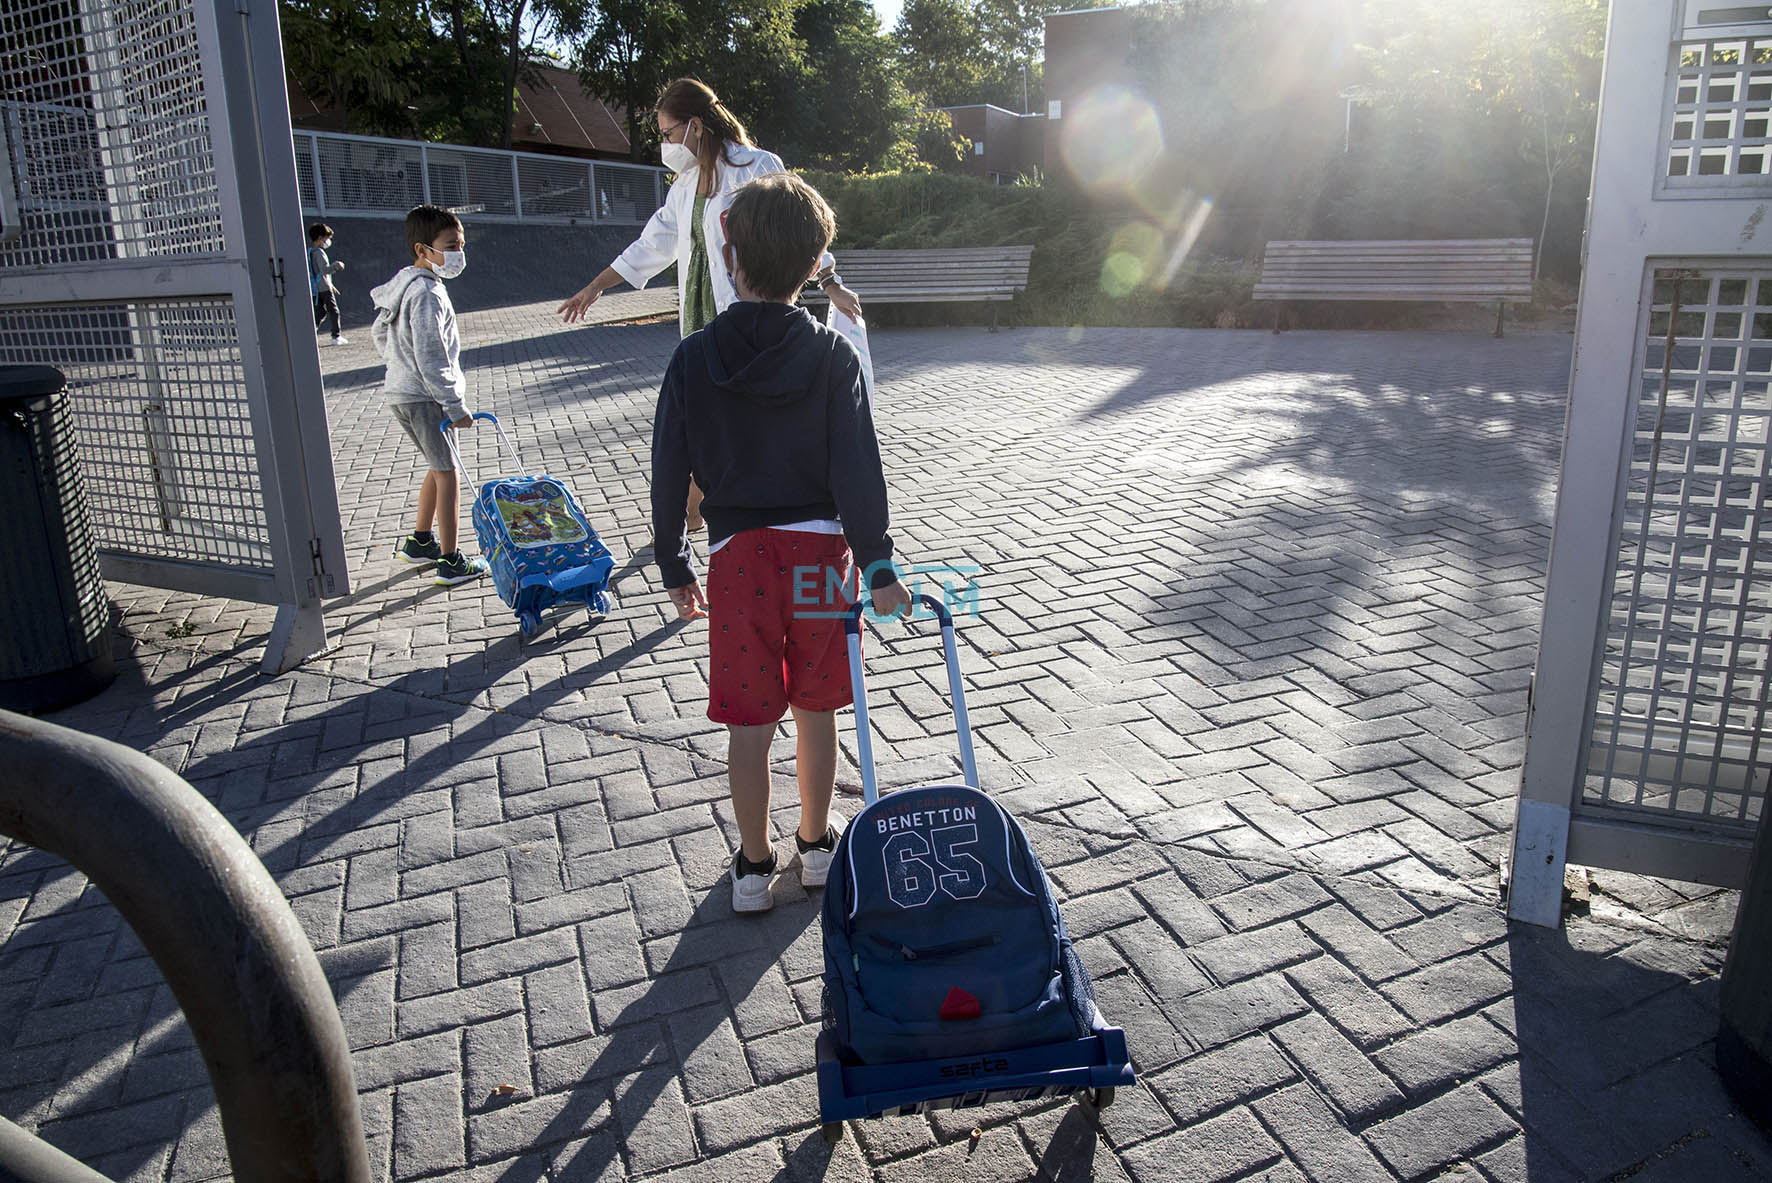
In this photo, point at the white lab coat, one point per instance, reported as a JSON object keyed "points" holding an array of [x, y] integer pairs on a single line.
{"points": [[666, 238]]}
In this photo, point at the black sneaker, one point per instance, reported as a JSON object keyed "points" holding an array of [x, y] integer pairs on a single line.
{"points": [[416, 553], [750, 883], [458, 568]]}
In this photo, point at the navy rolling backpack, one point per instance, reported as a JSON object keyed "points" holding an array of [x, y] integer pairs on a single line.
{"points": [[941, 935]]}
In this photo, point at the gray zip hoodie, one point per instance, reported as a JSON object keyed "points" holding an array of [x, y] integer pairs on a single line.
{"points": [[416, 336]]}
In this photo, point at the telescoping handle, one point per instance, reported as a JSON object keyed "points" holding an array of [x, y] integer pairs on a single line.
{"points": [[488, 416], [864, 740]]}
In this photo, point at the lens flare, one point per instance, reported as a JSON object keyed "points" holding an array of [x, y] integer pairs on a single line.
{"points": [[1185, 237], [1111, 140], [1134, 255]]}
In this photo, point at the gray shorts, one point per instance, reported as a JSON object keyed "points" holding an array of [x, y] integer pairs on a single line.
{"points": [[420, 422]]}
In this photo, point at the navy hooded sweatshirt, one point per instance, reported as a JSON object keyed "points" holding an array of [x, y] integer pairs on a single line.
{"points": [[766, 408]]}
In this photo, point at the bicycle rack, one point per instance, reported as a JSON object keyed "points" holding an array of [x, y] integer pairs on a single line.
{"points": [[223, 936]]}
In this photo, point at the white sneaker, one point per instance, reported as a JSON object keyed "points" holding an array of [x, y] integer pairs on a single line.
{"points": [[341, 340], [815, 858], [750, 883]]}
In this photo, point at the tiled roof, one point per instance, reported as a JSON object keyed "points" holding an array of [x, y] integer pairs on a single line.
{"points": [[557, 113], [569, 121]]}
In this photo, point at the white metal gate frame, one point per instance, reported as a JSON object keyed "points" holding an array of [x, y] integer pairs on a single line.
{"points": [[1682, 182], [141, 302]]}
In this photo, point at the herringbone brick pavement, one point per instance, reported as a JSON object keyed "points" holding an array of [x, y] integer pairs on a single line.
{"points": [[1254, 620]]}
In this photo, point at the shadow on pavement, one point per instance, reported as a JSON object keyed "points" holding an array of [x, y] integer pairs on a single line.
{"points": [[1616, 1072], [687, 1003], [96, 1047]]}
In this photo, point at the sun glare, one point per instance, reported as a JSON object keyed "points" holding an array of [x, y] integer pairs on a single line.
{"points": [[1112, 140], [1113, 147]]}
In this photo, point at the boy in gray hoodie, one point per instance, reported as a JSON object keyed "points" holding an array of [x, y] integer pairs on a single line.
{"points": [[416, 336]]}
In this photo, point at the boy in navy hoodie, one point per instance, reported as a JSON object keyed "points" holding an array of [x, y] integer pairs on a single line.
{"points": [[765, 408]]}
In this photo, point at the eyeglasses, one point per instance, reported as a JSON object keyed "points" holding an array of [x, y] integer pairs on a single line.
{"points": [[673, 130]]}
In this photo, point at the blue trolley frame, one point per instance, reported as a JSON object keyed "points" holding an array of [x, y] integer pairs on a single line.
{"points": [[1092, 1066], [587, 584]]}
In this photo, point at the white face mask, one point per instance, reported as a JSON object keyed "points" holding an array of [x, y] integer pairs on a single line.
{"points": [[453, 264], [679, 158]]}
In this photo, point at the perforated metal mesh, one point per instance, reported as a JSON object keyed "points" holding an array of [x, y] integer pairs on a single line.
{"points": [[626, 193], [305, 171], [555, 188], [1687, 670], [1720, 113], [370, 175], [469, 182], [108, 130], [340, 174], [166, 444]]}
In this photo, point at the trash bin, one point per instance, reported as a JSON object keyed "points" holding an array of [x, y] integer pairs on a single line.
{"points": [[1744, 1033], [55, 622]]}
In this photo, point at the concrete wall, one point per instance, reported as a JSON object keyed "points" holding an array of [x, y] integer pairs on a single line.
{"points": [[508, 262]]}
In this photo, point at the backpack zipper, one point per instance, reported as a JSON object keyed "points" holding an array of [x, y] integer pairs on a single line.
{"points": [[910, 954]]}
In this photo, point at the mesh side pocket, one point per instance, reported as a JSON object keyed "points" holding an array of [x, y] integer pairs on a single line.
{"points": [[1080, 990]]}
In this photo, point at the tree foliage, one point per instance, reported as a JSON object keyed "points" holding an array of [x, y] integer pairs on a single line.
{"points": [[368, 60], [957, 52], [849, 110], [437, 69], [626, 58], [1245, 106], [1500, 106], [814, 80]]}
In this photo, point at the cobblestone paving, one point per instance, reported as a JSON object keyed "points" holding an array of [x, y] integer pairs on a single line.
{"points": [[1255, 616]]}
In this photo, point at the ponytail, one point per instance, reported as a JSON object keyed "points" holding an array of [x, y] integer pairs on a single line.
{"points": [[688, 98]]}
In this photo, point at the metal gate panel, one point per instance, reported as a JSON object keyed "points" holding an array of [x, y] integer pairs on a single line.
{"points": [[149, 143], [554, 188], [1718, 122], [1645, 742], [167, 449], [307, 170], [1681, 695], [483, 184], [114, 127]]}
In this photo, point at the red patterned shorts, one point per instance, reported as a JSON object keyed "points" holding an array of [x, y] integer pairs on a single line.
{"points": [[776, 600]]}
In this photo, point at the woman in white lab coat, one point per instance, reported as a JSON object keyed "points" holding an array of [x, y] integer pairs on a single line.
{"points": [[712, 155]]}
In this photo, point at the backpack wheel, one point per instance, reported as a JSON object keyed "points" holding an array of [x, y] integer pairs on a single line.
{"points": [[529, 623], [832, 1131], [1098, 1099]]}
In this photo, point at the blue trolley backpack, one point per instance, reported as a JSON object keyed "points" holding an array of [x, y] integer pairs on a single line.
{"points": [[949, 977], [537, 541]]}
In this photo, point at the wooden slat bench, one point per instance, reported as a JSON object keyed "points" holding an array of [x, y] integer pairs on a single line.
{"points": [[989, 273], [1467, 270]]}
